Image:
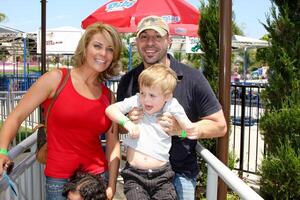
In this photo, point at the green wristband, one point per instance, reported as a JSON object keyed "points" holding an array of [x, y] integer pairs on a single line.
{"points": [[4, 152], [122, 122], [183, 134]]}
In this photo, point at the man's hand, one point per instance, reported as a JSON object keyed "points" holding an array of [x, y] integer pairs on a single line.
{"points": [[192, 132], [136, 114], [172, 127], [169, 124]]}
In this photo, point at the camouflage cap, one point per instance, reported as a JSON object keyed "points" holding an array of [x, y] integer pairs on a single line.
{"points": [[155, 23]]}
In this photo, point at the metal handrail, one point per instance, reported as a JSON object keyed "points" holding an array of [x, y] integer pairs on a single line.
{"points": [[27, 173], [217, 169], [22, 146]]}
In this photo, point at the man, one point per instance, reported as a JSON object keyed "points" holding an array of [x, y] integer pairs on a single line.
{"points": [[193, 92]]}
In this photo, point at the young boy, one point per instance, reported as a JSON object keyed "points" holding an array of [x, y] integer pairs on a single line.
{"points": [[148, 174], [85, 186]]}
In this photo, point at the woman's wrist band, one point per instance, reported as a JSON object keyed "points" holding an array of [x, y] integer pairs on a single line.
{"points": [[183, 134], [122, 122], [4, 152]]}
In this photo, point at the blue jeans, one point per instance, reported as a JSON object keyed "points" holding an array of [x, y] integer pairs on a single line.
{"points": [[185, 187], [54, 188]]}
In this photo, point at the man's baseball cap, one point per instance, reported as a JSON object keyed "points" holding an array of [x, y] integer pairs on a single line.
{"points": [[155, 23]]}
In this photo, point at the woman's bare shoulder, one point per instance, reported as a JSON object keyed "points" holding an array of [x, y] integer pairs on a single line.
{"points": [[51, 80]]}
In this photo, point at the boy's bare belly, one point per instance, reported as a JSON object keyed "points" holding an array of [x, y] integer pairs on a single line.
{"points": [[142, 161]]}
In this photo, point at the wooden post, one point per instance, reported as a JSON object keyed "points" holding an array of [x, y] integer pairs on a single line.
{"points": [[224, 83]]}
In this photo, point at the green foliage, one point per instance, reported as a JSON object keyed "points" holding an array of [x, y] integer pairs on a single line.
{"points": [[281, 121], [280, 174], [2, 17], [135, 58], [283, 56], [232, 159], [3, 54], [209, 33], [209, 44], [252, 57], [280, 126], [282, 96], [194, 59], [261, 55], [22, 134]]}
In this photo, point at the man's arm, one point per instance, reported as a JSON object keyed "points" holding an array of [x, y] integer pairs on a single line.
{"points": [[211, 126]]}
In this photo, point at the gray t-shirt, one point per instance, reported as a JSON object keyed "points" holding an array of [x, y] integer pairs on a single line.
{"points": [[153, 141]]}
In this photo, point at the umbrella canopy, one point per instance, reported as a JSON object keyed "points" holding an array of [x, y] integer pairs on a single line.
{"points": [[124, 15]]}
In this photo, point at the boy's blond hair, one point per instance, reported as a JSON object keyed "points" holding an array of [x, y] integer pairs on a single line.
{"points": [[159, 75]]}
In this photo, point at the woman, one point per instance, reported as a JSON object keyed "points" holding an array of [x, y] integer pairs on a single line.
{"points": [[77, 117]]}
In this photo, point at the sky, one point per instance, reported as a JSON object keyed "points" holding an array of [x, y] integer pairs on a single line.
{"points": [[25, 15]]}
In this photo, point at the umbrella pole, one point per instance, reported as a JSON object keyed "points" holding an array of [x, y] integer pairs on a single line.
{"points": [[43, 46]]}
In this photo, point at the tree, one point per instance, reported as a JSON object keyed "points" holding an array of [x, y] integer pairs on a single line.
{"points": [[280, 124], [4, 51], [262, 53], [209, 43], [135, 58], [2, 17], [209, 34]]}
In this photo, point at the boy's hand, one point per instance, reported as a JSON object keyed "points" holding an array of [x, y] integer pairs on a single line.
{"points": [[133, 129]]}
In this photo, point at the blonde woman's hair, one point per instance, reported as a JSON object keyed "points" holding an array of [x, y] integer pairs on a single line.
{"points": [[112, 36], [159, 75]]}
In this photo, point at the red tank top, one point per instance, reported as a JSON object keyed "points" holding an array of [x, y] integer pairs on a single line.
{"points": [[74, 126]]}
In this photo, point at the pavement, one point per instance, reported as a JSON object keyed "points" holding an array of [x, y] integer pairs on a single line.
{"points": [[119, 193]]}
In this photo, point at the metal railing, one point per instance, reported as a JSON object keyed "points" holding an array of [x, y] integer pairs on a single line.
{"points": [[242, 104], [29, 178], [246, 108], [217, 169], [8, 101], [17, 83], [245, 140], [27, 174]]}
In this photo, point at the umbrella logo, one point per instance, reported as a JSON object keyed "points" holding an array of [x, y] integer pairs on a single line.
{"points": [[119, 6], [171, 19], [180, 31]]}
